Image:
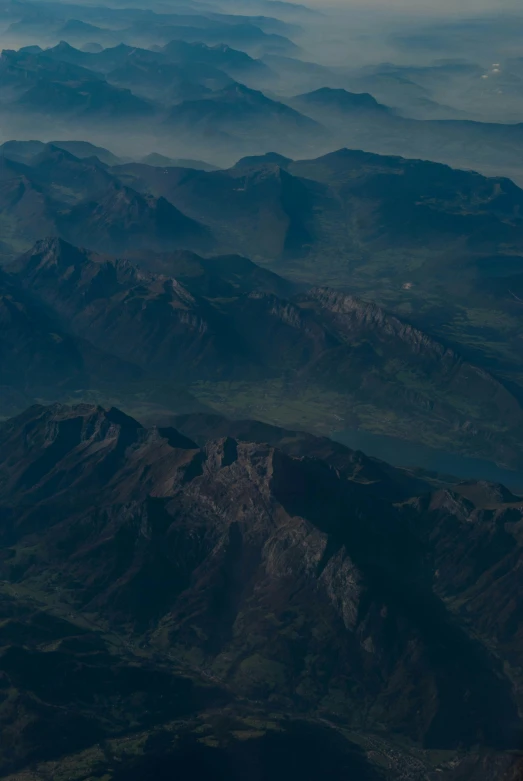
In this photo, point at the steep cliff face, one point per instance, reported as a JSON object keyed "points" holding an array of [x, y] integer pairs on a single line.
{"points": [[283, 578], [475, 542], [422, 356], [392, 483]]}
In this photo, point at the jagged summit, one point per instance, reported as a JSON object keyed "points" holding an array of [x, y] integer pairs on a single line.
{"points": [[224, 550]]}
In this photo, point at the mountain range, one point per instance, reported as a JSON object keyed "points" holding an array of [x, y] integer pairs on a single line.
{"points": [[220, 98], [238, 112], [237, 236], [185, 87], [81, 200], [437, 249], [186, 601], [438, 245], [256, 35], [357, 120], [247, 341]]}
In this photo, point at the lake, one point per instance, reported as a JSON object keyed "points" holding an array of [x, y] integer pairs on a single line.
{"points": [[402, 453]]}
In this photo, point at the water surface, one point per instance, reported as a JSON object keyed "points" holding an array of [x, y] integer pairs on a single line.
{"points": [[400, 452]]}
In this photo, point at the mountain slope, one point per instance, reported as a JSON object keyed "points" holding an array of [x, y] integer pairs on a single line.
{"points": [[246, 36], [121, 220], [173, 333], [26, 210], [25, 151], [288, 583], [65, 177], [236, 64], [226, 326], [165, 81], [104, 61], [338, 103], [260, 210], [39, 359], [221, 276], [247, 115], [441, 246], [364, 123], [55, 193], [392, 483], [356, 205], [88, 100], [49, 83], [23, 69]]}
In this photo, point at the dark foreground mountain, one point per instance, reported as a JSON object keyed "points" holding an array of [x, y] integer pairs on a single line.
{"points": [[249, 342], [165, 603]]}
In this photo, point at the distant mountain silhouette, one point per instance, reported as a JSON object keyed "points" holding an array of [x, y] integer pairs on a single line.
{"points": [[235, 63], [26, 68], [339, 101], [161, 161], [239, 109], [90, 99]]}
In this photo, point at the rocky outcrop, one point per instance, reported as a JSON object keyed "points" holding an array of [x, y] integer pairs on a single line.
{"points": [[288, 581]]}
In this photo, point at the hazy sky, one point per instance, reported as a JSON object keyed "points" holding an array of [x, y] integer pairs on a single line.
{"points": [[418, 7]]}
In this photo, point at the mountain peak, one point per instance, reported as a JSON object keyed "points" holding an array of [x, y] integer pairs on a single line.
{"points": [[53, 154], [339, 100], [51, 252], [272, 158], [62, 47], [51, 244]]}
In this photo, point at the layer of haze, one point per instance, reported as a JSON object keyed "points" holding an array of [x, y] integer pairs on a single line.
{"points": [[421, 7], [423, 61]]}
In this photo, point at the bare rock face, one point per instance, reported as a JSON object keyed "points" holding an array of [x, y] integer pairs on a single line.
{"points": [[282, 576], [224, 319]]}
